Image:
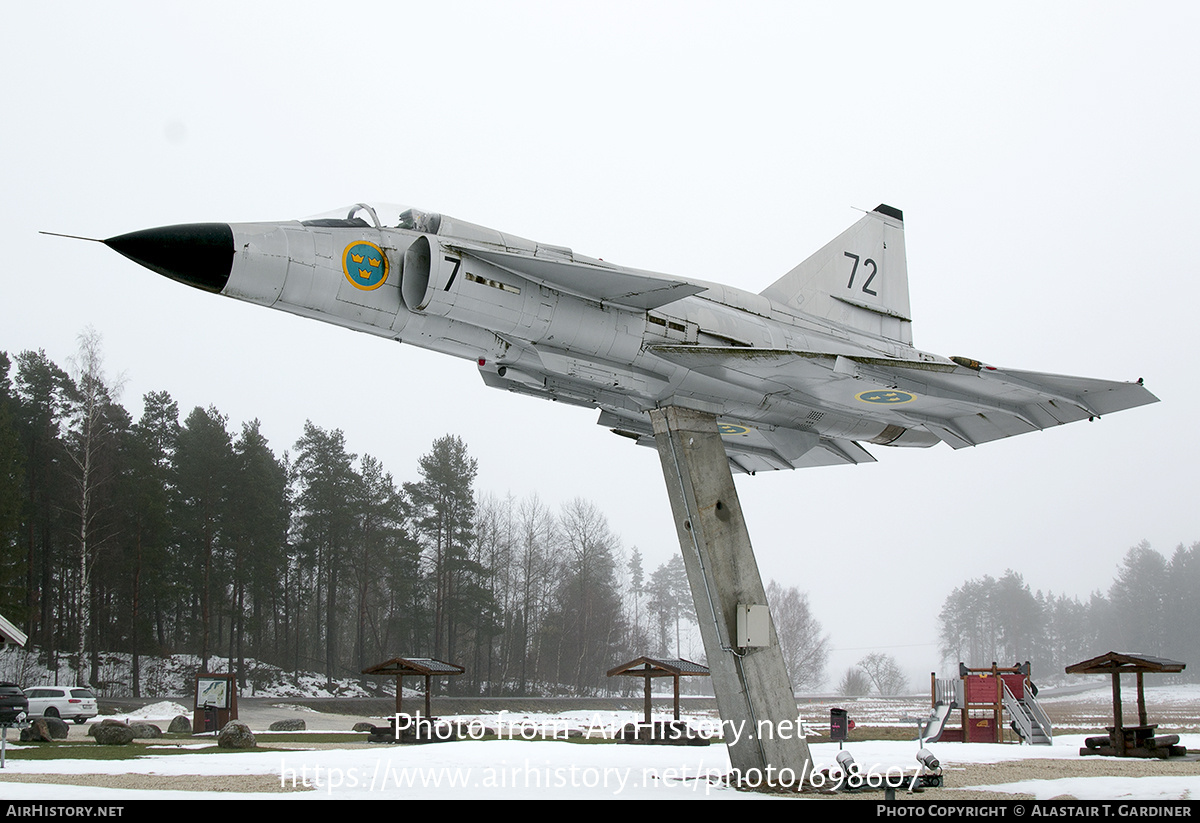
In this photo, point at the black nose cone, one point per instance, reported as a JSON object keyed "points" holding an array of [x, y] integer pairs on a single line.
{"points": [[197, 254]]}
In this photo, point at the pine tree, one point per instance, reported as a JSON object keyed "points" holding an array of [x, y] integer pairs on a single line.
{"points": [[148, 452], [203, 469], [44, 393], [637, 587], [443, 503], [326, 513], [671, 602], [1183, 581], [1138, 601], [384, 564], [12, 595], [258, 525]]}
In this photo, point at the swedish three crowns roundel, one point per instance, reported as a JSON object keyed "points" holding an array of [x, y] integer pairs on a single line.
{"points": [[885, 397], [365, 265]]}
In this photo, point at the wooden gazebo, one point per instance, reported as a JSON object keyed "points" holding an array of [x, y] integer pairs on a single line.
{"points": [[1122, 740], [426, 667], [650, 667]]}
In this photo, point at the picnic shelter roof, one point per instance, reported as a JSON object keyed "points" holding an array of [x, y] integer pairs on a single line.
{"points": [[414, 666], [1126, 662], [660, 667]]}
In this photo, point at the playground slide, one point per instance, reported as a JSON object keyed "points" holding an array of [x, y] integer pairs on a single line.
{"points": [[932, 728]]}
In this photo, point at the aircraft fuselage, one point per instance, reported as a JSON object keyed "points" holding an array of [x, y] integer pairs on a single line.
{"points": [[791, 387]]}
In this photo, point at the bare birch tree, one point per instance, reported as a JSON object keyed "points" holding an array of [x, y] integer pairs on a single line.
{"points": [[884, 673], [805, 645], [90, 434]]}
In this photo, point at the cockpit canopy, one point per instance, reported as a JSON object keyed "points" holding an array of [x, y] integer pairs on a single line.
{"points": [[377, 215], [384, 216]]}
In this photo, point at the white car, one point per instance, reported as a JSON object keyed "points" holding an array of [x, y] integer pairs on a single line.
{"points": [[69, 703]]}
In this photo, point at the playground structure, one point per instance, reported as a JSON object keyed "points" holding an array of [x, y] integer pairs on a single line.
{"points": [[982, 698]]}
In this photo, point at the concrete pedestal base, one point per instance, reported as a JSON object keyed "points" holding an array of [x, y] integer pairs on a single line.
{"points": [[754, 695]]}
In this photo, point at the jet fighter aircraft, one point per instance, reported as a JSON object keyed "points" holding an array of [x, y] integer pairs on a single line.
{"points": [[805, 373]]}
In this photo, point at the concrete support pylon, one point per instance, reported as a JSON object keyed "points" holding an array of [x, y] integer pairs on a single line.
{"points": [[754, 694]]}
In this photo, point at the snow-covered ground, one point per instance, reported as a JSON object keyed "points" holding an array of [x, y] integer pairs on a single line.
{"points": [[546, 768], [1176, 706]]}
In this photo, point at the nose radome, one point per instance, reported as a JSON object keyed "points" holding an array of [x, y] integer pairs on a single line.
{"points": [[196, 254]]}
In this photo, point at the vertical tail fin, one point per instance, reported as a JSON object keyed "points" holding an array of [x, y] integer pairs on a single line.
{"points": [[859, 279]]}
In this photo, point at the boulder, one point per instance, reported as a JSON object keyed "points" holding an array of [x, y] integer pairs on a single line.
{"points": [[293, 725], [179, 725], [112, 733], [91, 732], [59, 729], [236, 735], [145, 731], [44, 730]]}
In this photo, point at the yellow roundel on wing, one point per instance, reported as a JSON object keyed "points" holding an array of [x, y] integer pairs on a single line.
{"points": [[365, 265], [885, 397], [730, 429]]}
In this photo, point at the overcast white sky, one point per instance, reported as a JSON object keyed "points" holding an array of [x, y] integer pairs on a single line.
{"points": [[1044, 156]]}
